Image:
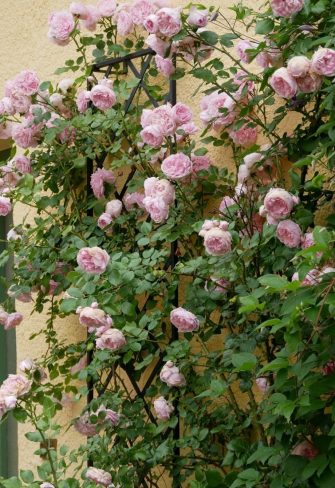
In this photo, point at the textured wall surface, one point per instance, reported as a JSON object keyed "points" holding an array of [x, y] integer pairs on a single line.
{"points": [[23, 27]]}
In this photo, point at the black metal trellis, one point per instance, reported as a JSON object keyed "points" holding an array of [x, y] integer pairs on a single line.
{"points": [[145, 57]]}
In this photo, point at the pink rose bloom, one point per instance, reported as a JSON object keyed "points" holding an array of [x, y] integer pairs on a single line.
{"points": [[92, 18], [61, 25], [140, 10], [165, 66], [245, 136], [283, 83], [197, 17], [212, 224], [157, 44], [184, 320], [221, 285], [177, 166], [169, 21], [157, 208], [286, 8], [242, 47], [210, 109], [6, 106], [124, 21], [200, 163], [112, 339], [305, 449], [110, 416], [217, 242], [82, 101], [84, 426], [65, 85], [263, 384], [5, 206], [309, 83], [21, 103], [106, 7], [159, 188], [114, 208], [323, 62], [298, 66], [278, 204], [243, 173], [98, 178], [164, 117], [171, 375], [93, 260], [289, 233], [104, 220], [27, 82], [24, 136], [99, 477], [22, 164], [132, 199], [152, 135], [329, 368], [56, 100], [27, 365], [78, 10], [186, 130], [181, 114], [225, 203], [13, 320], [150, 24], [93, 317], [307, 240], [162, 408], [102, 97], [6, 130], [16, 385]]}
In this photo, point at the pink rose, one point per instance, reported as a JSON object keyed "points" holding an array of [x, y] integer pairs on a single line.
{"points": [[329, 368], [157, 208], [221, 285], [15, 385], [309, 83], [124, 21], [82, 101], [212, 224], [181, 114], [157, 44], [164, 117], [278, 204], [84, 426], [152, 135], [245, 136], [197, 17], [104, 220], [22, 164], [7, 107], [27, 82], [307, 240], [24, 136], [112, 339], [286, 8], [263, 384], [289, 233], [98, 476], [13, 320], [283, 83], [159, 188], [186, 130], [162, 408], [171, 375], [92, 18], [98, 178], [140, 10], [102, 97], [212, 108], [110, 416], [93, 317], [177, 166], [184, 320], [243, 173], [225, 203], [6, 130], [93, 260], [150, 24], [12, 235], [217, 242], [200, 163], [298, 66], [305, 449], [242, 47], [114, 208], [132, 199], [323, 62], [5, 206], [78, 10], [164, 65], [65, 85], [169, 21], [106, 8], [61, 25]]}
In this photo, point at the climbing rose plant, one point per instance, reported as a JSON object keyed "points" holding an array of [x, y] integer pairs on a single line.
{"points": [[245, 358]]}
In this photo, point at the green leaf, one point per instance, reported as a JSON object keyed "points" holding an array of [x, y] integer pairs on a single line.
{"points": [[244, 361], [26, 475], [209, 37], [204, 74], [34, 436], [273, 281], [264, 26]]}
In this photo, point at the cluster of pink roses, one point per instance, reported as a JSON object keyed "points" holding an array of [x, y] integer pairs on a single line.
{"points": [[171, 375], [314, 276], [302, 74], [14, 387], [10, 320], [217, 238], [105, 416], [10, 175], [113, 210], [286, 8], [101, 95], [163, 408], [18, 93]]}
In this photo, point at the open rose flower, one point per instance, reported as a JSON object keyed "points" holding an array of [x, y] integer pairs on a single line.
{"points": [[246, 136], [171, 375], [157, 44], [263, 384], [162, 408], [16, 385], [27, 82], [286, 8], [152, 135], [61, 25], [242, 47], [184, 320], [278, 204], [169, 21], [309, 83], [112, 339], [298, 66], [13, 320], [217, 242], [114, 208], [98, 178], [84, 426], [106, 8], [165, 66], [283, 83], [5, 206], [323, 62], [197, 17], [102, 97], [99, 476], [93, 260], [305, 449], [289, 233], [93, 317], [140, 10], [177, 166]]}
